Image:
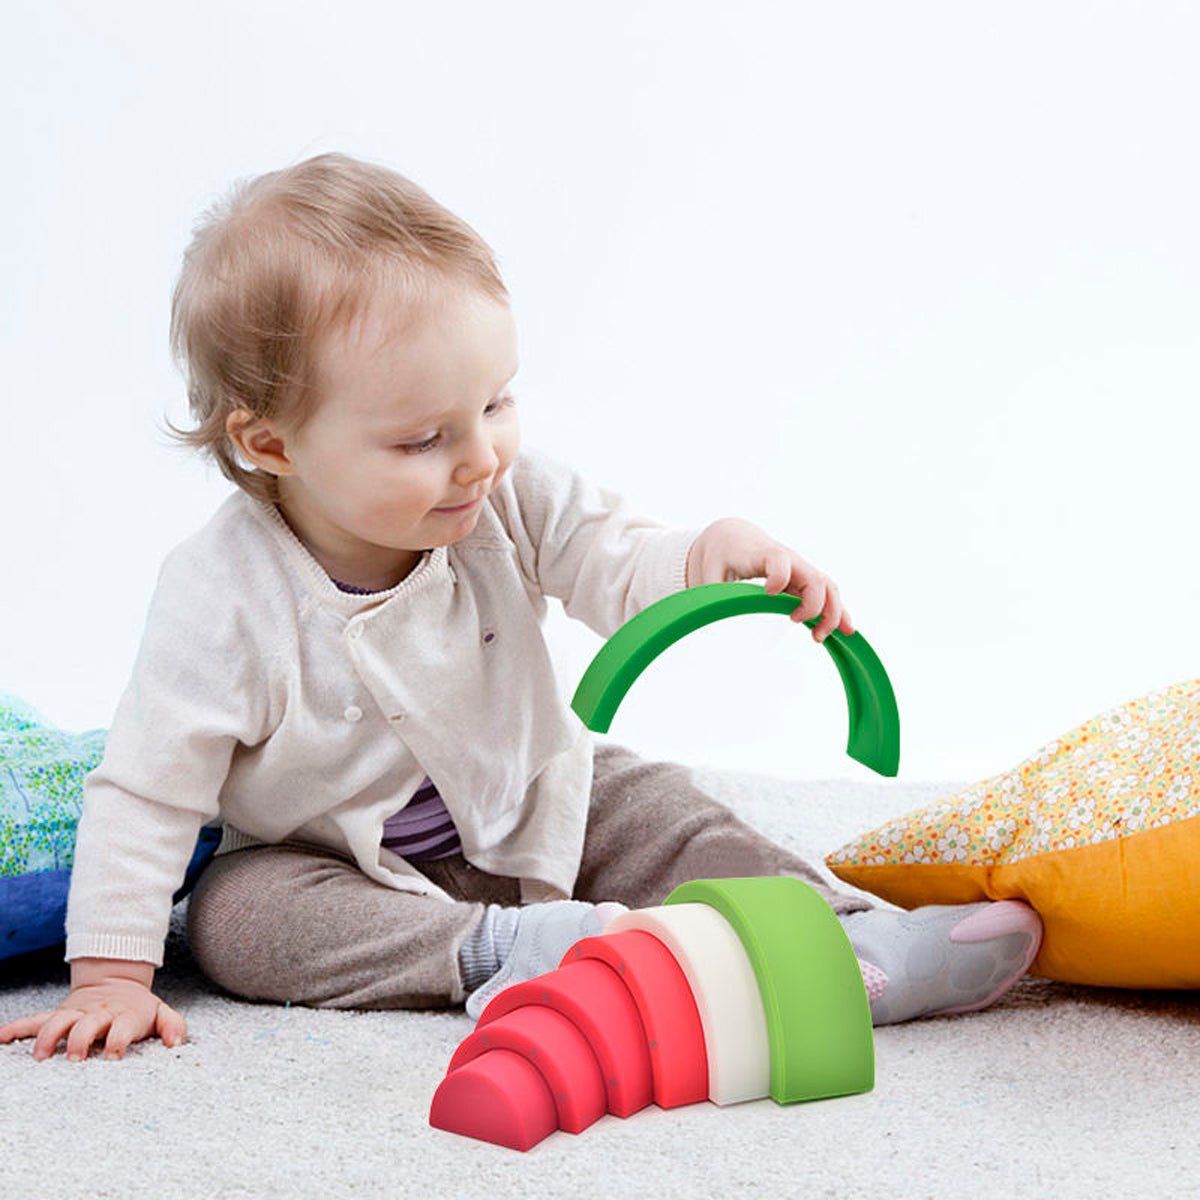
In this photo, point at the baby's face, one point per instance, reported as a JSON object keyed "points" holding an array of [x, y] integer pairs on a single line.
{"points": [[414, 427]]}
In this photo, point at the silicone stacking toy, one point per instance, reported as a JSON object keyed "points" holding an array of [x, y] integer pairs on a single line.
{"points": [[874, 736], [733, 990]]}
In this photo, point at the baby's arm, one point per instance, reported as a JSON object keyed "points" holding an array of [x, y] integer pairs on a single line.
{"points": [[607, 563], [110, 1000], [586, 546], [198, 690]]}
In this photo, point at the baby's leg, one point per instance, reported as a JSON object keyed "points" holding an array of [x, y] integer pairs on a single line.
{"points": [[650, 828], [289, 923]]}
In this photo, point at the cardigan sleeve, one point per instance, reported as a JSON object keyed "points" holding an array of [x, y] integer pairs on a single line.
{"points": [[197, 690], [587, 547]]}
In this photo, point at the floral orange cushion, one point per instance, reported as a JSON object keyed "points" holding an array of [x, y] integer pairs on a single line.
{"points": [[1099, 831]]}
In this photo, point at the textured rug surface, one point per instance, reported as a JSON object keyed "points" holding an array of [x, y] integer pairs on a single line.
{"points": [[1057, 1091]]}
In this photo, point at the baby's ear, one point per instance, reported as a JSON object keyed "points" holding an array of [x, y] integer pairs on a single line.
{"points": [[259, 442]]}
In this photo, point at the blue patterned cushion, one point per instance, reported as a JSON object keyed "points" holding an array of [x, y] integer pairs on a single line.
{"points": [[42, 769]]}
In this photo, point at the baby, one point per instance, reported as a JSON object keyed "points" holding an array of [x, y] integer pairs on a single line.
{"points": [[346, 668]]}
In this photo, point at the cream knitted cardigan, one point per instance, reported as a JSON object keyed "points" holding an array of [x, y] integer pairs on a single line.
{"points": [[264, 696]]}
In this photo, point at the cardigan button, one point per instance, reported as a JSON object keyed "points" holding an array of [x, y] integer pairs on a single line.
{"points": [[353, 713]]}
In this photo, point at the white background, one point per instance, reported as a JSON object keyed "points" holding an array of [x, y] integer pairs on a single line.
{"points": [[914, 286]]}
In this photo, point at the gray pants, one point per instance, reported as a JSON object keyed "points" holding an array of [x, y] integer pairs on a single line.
{"points": [[299, 924]]}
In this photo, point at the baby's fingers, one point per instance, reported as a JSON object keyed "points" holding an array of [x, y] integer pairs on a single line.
{"points": [[23, 1027], [812, 600], [832, 615], [56, 1027], [91, 1027], [169, 1025], [126, 1029], [777, 571]]}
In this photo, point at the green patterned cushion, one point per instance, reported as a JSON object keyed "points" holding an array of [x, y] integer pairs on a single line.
{"points": [[42, 769]]}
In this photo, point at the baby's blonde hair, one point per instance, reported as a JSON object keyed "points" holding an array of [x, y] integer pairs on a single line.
{"points": [[284, 259]]}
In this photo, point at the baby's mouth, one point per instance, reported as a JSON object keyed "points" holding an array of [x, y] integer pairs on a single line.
{"points": [[460, 508]]}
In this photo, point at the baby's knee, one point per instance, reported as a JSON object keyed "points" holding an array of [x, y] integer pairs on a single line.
{"points": [[232, 936]]}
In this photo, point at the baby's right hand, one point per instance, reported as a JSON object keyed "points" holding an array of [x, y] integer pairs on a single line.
{"points": [[103, 1004]]}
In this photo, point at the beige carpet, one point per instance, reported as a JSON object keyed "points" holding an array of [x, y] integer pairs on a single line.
{"points": [[1056, 1092]]}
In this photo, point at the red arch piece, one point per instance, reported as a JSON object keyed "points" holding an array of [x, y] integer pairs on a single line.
{"points": [[675, 1037], [497, 1097], [559, 1052], [592, 996]]}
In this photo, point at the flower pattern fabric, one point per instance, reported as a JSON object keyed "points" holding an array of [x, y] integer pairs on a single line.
{"points": [[1133, 768], [42, 769]]}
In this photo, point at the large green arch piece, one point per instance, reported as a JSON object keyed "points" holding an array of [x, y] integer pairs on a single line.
{"points": [[874, 736], [818, 1015]]}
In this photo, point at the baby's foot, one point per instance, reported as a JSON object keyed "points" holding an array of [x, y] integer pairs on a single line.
{"points": [[536, 938], [942, 959]]}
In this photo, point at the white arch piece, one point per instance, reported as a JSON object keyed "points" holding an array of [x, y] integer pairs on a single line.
{"points": [[725, 989]]}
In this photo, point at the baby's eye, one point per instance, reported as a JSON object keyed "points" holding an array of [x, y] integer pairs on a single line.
{"points": [[419, 447], [490, 410]]}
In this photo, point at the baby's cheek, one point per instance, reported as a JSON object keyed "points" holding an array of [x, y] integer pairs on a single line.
{"points": [[512, 437], [406, 504]]}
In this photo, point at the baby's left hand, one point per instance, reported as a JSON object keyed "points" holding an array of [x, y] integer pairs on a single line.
{"points": [[732, 549]]}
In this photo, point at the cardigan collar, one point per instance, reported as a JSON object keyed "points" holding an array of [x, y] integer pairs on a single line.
{"points": [[432, 565]]}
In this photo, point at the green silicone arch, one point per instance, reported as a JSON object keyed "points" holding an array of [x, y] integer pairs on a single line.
{"points": [[874, 734], [818, 1016]]}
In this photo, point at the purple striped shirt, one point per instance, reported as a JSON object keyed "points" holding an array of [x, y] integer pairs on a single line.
{"points": [[423, 830]]}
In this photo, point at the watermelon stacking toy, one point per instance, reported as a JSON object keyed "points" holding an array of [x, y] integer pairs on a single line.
{"points": [[734, 989]]}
